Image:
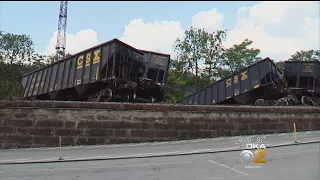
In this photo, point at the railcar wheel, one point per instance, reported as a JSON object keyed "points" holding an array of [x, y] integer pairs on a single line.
{"points": [[260, 102], [282, 102], [106, 95], [305, 101]]}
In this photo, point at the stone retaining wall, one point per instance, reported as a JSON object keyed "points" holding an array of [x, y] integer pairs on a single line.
{"points": [[35, 124]]}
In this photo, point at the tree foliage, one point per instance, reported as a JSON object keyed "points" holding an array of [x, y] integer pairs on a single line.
{"points": [[189, 49], [17, 57], [16, 48], [202, 60], [240, 56], [201, 57], [200, 49], [213, 53], [311, 55]]}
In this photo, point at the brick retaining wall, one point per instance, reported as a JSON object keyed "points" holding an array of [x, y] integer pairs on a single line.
{"points": [[35, 124]]}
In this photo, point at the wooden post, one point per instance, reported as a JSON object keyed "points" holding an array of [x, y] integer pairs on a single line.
{"points": [[295, 133], [60, 148]]}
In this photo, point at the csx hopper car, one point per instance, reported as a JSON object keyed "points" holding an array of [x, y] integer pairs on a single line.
{"points": [[112, 71], [156, 67], [260, 80], [303, 81], [263, 84]]}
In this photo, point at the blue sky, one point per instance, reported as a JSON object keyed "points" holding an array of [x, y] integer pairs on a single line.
{"points": [[108, 19]]}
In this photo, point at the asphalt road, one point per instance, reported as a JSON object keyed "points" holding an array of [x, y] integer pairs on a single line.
{"points": [[290, 162], [197, 145]]}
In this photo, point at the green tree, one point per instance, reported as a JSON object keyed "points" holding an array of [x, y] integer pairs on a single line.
{"points": [[16, 48], [189, 50], [213, 53], [310, 55], [201, 49], [17, 57], [175, 86], [240, 56]]}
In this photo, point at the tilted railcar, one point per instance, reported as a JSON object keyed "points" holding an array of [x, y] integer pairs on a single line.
{"points": [[155, 72], [303, 81], [260, 80], [112, 71]]}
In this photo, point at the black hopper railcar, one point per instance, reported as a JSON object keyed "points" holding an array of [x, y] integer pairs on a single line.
{"points": [[262, 80], [301, 86], [303, 82], [156, 67], [112, 71]]}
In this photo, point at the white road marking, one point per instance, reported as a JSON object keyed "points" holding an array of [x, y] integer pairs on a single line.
{"points": [[198, 140], [130, 155], [142, 154], [178, 142], [97, 146], [159, 143], [92, 157], [226, 148], [65, 148], [138, 144], [228, 167], [50, 159], [197, 151], [130, 165], [281, 134], [6, 160], [308, 132], [47, 148], [237, 137], [179, 152], [216, 139], [111, 146]]}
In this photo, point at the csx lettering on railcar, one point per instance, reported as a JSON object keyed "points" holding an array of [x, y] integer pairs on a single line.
{"points": [[244, 75], [96, 59]]}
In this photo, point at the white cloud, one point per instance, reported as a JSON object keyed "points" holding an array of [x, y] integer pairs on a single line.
{"points": [[160, 36], [75, 42], [210, 20], [278, 29], [156, 36]]}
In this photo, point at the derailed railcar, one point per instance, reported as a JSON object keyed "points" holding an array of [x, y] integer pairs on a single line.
{"points": [[156, 71], [303, 81], [262, 80], [107, 72]]}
